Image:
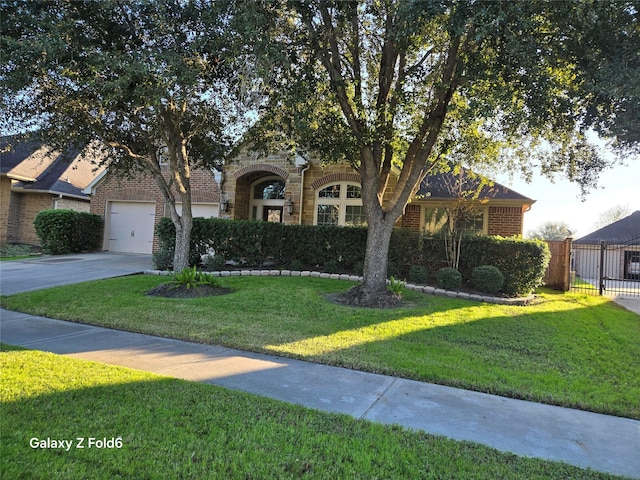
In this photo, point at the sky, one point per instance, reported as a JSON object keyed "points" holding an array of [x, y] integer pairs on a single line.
{"points": [[560, 201]]}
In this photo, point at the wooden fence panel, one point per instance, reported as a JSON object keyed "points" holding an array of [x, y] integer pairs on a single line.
{"points": [[557, 275]]}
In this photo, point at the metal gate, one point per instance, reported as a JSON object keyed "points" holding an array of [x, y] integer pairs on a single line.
{"points": [[607, 269]]}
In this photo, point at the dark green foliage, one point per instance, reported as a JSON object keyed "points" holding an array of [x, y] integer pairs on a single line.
{"points": [[336, 249], [418, 274], [68, 231], [522, 262], [215, 262], [162, 259], [449, 278], [487, 278], [252, 243], [404, 250]]}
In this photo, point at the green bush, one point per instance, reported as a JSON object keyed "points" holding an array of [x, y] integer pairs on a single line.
{"points": [[418, 274], [251, 243], [67, 231], [215, 262], [396, 286], [162, 259], [449, 278], [522, 262], [487, 278]]}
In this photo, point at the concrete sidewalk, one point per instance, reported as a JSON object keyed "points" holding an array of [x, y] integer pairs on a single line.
{"points": [[589, 440]]}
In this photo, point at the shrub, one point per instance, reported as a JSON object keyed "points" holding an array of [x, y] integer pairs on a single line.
{"points": [[449, 278], [162, 259], [87, 232], [396, 286], [331, 266], [67, 231], [418, 274], [215, 262], [296, 265], [522, 262], [487, 278]]}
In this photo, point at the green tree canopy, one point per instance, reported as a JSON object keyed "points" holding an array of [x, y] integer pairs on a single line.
{"points": [[551, 231], [151, 82], [398, 87]]}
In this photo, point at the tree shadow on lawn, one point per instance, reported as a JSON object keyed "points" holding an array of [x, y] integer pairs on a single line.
{"points": [[554, 357]]}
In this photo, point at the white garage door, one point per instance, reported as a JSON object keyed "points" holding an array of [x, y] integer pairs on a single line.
{"points": [[206, 210], [131, 226]]}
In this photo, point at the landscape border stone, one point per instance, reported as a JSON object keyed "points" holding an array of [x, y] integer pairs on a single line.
{"points": [[426, 289]]}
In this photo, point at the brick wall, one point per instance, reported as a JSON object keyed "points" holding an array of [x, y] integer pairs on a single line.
{"points": [[411, 217], [505, 221], [5, 196], [143, 187], [71, 204], [24, 208]]}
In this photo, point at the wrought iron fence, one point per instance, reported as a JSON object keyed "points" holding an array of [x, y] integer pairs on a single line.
{"points": [[607, 269]]}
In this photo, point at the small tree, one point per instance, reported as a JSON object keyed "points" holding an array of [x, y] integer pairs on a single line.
{"points": [[611, 215], [465, 187], [551, 231], [154, 83]]}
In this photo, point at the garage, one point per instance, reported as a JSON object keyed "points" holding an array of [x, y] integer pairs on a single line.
{"points": [[206, 210], [130, 226]]}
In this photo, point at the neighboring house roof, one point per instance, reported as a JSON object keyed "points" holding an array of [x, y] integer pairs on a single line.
{"points": [[444, 185], [616, 233], [36, 168]]}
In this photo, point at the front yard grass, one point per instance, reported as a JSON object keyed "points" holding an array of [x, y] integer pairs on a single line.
{"points": [[571, 350], [156, 427]]}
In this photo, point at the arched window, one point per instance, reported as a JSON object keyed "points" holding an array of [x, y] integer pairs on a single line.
{"points": [[267, 199], [340, 204], [269, 190]]}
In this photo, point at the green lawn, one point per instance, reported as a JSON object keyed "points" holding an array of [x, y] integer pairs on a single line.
{"points": [[157, 427], [571, 350]]}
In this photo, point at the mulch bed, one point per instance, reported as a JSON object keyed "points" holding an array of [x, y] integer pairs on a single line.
{"points": [[170, 290]]}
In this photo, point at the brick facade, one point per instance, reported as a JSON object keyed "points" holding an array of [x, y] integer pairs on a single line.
{"points": [[24, 208], [301, 184], [5, 197], [505, 220], [411, 217], [143, 188]]}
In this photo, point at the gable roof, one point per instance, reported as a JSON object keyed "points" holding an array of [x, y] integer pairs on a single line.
{"points": [[619, 232], [439, 186], [34, 167]]}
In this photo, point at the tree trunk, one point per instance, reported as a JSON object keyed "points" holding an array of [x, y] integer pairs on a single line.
{"points": [[183, 238], [373, 291]]}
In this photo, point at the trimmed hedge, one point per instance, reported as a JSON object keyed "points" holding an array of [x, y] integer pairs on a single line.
{"points": [[449, 278], [332, 248], [67, 231], [487, 278]]}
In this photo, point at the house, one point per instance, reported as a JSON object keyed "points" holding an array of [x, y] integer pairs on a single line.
{"points": [[613, 248], [131, 207], [284, 188], [34, 178]]}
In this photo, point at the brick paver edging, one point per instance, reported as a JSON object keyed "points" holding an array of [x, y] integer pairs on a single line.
{"points": [[355, 278]]}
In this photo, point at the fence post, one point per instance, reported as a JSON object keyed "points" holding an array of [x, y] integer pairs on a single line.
{"points": [[566, 277], [603, 246]]}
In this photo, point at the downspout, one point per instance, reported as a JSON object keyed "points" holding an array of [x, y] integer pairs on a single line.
{"points": [[303, 165]]}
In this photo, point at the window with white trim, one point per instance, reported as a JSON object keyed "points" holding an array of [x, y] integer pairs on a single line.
{"points": [[435, 219], [340, 204]]}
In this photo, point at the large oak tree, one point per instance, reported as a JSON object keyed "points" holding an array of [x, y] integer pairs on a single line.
{"points": [[406, 85], [151, 82]]}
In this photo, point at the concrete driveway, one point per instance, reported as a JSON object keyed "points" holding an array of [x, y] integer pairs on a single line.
{"points": [[54, 270]]}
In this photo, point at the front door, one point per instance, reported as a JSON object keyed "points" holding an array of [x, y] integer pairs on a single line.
{"points": [[272, 214]]}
